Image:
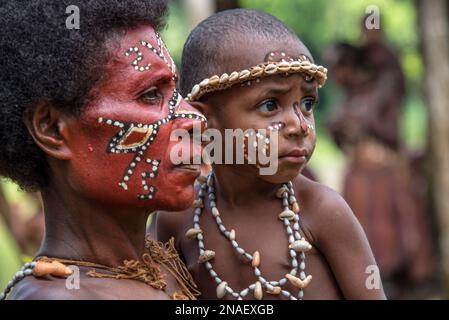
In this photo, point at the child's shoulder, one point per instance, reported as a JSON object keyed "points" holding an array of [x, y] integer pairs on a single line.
{"points": [[324, 210], [317, 194]]}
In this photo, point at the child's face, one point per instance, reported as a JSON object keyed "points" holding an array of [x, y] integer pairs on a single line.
{"points": [[288, 100]]}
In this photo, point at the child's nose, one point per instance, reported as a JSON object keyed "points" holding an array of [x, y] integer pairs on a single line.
{"points": [[296, 123]]}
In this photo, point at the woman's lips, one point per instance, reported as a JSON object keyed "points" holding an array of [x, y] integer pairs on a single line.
{"points": [[189, 168]]}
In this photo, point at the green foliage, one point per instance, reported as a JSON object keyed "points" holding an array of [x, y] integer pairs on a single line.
{"points": [[176, 32], [9, 256]]}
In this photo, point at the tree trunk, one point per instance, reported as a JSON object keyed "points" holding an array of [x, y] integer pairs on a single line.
{"points": [[198, 10], [434, 32], [221, 5]]}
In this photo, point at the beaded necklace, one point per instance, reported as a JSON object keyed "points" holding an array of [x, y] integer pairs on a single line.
{"points": [[297, 246]]}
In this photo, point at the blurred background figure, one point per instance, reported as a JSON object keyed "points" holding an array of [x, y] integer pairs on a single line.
{"points": [[382, 182], [24, 220]]}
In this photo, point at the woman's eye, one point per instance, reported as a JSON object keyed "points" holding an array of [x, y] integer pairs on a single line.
{"points": [[307, 105], [151, 96], [268, 106]]}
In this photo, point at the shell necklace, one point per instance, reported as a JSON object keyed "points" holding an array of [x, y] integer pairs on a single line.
{"points": [[297, 246]]}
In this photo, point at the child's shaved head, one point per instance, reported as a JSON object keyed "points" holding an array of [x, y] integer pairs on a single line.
{"points": [[233, 40]]}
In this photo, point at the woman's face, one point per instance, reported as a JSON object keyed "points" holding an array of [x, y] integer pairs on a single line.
{"points": [[121, 144]]}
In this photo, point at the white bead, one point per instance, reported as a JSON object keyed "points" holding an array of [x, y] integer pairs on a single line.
{"points": [[244, 292], [221, 289], [28, 272], [285, 293], [294, 263]]}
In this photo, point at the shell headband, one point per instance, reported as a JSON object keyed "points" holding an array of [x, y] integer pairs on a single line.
{"points": [[286, 65]]}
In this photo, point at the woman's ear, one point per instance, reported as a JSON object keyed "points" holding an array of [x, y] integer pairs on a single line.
{"points": [[48, 125]]}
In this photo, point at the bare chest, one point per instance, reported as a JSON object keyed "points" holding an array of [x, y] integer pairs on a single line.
{"points": [[270, 239]]}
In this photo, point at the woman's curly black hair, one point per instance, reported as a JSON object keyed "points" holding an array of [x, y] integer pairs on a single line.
{"points": [[41, 59]]}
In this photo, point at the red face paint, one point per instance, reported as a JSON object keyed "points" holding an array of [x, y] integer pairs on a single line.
{"points": [[127, 128]]}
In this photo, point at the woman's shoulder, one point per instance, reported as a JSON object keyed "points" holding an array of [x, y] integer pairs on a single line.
{"points": [[48, 288]]}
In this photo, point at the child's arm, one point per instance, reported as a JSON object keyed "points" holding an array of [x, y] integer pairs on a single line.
{"points": [[341, 239]]}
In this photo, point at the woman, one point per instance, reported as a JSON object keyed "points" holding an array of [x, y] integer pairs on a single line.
{"points": [[86, 118]]}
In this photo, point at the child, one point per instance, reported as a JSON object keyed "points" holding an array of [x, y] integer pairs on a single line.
{"points": [[264, 236]]}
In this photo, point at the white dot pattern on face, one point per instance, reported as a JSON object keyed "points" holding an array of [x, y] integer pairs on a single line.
{"points": [[159, 51], [259, 139], [118, 145], [139, 57]]}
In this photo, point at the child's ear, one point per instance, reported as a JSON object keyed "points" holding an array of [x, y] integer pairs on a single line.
{"points": [[201, 107], [48, 127], [206, 110]]}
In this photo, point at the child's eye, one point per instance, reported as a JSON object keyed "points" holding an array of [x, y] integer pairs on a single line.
{"points": [[151, 96], [268, 106], [308, 104]]}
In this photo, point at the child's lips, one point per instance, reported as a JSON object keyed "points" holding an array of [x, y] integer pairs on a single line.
{"points": [[295, 156]]}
